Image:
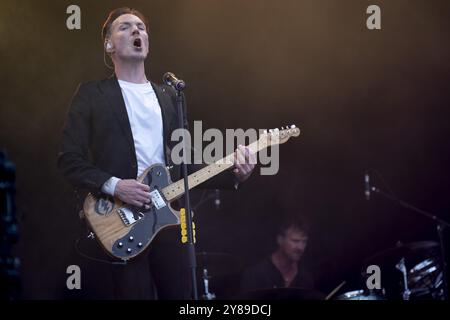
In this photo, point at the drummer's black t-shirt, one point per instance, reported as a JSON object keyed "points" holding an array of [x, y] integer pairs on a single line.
{"points": [[264, 275]]}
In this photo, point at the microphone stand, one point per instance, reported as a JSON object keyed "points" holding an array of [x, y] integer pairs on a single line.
{"points": [[440, 226], [182, 117]]}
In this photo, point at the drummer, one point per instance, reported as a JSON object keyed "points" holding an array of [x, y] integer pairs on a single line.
{"points": [[283, 267]]}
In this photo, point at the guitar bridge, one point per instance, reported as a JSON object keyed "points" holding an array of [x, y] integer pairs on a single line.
{"points": [[128, 216]]}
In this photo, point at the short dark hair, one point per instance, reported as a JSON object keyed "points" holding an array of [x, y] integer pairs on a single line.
{"points": [[113, 15], [294, 221]]}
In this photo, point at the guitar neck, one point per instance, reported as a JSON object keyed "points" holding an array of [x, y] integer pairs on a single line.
{"points": [[176, 189]]}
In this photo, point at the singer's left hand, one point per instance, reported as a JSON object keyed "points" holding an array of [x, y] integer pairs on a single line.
{"points": [[244, 163]]}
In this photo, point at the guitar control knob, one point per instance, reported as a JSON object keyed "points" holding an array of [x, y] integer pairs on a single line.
{"points": [[128, 250], [120, 244], [131, 238], [140, 244]]}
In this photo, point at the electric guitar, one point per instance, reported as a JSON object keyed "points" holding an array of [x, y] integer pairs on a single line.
{"points": [[125, 231]]}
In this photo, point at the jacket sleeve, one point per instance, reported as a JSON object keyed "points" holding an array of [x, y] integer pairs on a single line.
{"points": [[74, 159]]}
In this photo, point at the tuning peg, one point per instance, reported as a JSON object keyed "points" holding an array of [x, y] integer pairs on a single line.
{"points": [[293, 126]]}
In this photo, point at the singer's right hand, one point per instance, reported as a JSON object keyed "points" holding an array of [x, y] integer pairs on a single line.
{"points": [[133, 192]]}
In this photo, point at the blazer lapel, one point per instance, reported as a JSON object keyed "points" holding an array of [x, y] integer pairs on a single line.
{"points": [[163, 97]]}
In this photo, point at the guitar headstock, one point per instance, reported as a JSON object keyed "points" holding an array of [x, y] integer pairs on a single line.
{"points": [[277, 136]]}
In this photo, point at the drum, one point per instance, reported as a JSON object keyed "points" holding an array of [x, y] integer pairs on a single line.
{"points": [[425, 280], [410, 271]]}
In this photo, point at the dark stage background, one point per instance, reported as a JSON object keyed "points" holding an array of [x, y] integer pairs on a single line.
{"points": [[363, 100]]}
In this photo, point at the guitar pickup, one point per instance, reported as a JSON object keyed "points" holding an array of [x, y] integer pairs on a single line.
{"points": [[157, 199]]}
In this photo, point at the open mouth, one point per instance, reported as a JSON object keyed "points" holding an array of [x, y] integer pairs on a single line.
{"points": [[137, 43]]}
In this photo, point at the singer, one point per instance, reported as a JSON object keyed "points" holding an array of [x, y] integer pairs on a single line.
{"points": [[115, 129]]}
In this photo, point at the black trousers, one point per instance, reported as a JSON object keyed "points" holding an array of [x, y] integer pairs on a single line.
{"points": [[161, 272]]}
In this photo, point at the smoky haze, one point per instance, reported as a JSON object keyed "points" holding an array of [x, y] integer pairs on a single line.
{"points": [[363, 100]]}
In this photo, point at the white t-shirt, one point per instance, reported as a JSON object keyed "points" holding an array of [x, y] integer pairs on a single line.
{"points": [[144, 114]]}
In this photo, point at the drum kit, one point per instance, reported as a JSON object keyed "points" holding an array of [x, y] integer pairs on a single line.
{"points": [[218, 274], [411, 271], [408, 272]]}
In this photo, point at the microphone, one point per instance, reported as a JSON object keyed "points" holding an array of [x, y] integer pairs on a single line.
{"points": [[171, 80], [367, 185], [217, 199]]}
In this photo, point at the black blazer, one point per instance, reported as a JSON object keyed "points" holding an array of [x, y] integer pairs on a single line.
{"points": [[97, 141]]}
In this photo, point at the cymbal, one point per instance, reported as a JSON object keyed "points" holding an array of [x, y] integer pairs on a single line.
{"points": [[218, 263], [282, 294], [414, 250], [359, 295]]}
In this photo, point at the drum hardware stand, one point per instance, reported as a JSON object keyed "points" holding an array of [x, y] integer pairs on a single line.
{"points": [[440, 225], [402, 268], [208, 295]]}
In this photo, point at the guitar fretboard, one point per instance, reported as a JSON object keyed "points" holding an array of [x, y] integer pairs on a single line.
{"points": [[176, 189]]}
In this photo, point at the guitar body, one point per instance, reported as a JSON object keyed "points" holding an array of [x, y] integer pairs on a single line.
{"points": [[125, 231]]}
